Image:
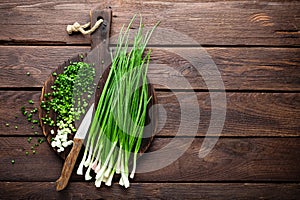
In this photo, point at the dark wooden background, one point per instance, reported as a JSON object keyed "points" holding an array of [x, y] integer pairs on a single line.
{"points": [[255, 45]]}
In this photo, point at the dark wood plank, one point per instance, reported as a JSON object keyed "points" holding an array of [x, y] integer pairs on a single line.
{"points": [[45, 164], [232, 159], [78, 190], [247, 114], [264, 114], [41, 3], [10, 104], [209, 23], [39, 61], [240, 68]]}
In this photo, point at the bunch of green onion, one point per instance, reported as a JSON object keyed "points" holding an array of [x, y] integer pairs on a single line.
{"points": [[117, 127]]}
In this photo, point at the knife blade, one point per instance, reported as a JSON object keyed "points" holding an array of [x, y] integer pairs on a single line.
{"points": [[79, 137]]}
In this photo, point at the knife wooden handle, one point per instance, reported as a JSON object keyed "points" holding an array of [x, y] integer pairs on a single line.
{"points": [[70, 161]]}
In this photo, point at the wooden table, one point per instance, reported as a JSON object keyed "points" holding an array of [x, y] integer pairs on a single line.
{"points": [[255, 46]]}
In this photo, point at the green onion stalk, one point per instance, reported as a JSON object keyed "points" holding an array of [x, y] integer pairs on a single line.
{"points": [[117, 126]]}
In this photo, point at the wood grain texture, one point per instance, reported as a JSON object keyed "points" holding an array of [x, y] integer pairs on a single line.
{"points": [[78, 190], [208, 23], [45, 161], [11, 103], [247, 114], [39, 61], [232, 159], [264, 114], [240, 68]]}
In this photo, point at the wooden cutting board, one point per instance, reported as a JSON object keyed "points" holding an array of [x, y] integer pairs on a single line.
{"points": [[100, 57]]}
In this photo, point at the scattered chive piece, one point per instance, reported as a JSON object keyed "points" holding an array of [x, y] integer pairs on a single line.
{"points": [[35, 121], [36, 145], [34, 110], [26, 153], [40, 140], [81, 56], [32, 147], [25, 113], [35, 133], [30, 101], [12, 161], [28, 73], [29, 139], [54, 74], [32, 127], [33, 151], [16, 127], [7, 124]]}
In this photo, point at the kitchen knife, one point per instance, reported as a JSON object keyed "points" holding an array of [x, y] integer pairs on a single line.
{"points": [[79, 137]]}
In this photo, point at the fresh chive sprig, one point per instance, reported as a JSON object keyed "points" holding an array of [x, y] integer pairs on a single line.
{"points": [[117, 127]]}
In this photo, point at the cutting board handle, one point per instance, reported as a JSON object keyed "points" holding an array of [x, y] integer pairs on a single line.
{"points": [[100, 35], [99, 54]]}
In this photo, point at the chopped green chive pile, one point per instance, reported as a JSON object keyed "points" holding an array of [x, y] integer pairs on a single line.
{"points": [[117, 127], [72, 91]]}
